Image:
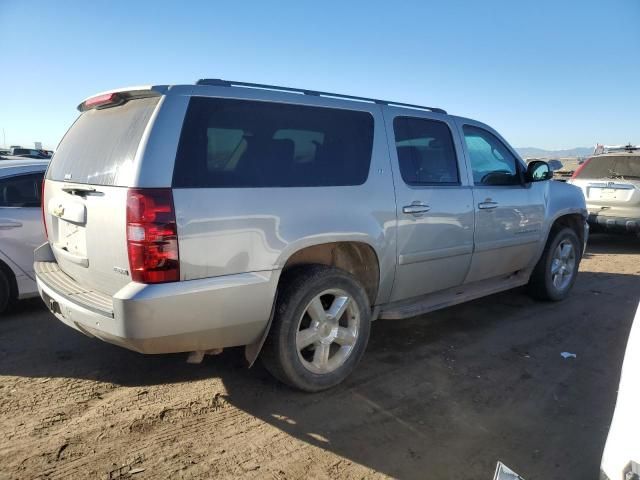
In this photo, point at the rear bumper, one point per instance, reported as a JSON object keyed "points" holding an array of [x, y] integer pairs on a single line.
{"points": [[620, 224], [183, 316]]}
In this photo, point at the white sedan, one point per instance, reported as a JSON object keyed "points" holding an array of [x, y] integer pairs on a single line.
{"points": [[21, 229]]}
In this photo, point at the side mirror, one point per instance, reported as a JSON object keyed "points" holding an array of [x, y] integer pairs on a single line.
{"points": [[538, 171]]}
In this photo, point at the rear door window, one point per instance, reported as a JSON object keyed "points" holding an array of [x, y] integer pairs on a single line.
{"points": [[248, 144], [21, 190], [101, 145], [426, 154]]}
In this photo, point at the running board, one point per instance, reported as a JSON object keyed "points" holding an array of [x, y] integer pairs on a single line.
{"points": [[452, 296]]}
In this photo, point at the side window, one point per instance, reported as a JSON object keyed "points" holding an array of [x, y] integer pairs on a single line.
{"points": [[305, 143], [225, 146], [491, 162], [21, 190], [250, 144], [426, 154]]}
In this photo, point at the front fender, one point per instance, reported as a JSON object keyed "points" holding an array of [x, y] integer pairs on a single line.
{"points": [[562, 199]]}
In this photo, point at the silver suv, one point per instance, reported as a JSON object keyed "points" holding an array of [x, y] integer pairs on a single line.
{"points": [[611, 185], [191, 218]]}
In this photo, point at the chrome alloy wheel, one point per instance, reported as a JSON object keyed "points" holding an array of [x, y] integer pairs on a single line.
{"points": [[563, 265], [327, 331]]}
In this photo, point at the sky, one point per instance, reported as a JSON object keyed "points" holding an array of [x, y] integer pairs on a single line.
{"points": [[546, 73]]}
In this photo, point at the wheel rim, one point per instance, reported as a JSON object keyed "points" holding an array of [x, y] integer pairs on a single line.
{"points": [[563, 265], [328, 331]]}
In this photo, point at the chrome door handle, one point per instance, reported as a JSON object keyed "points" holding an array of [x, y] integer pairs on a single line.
{"points": [[416, 208], [7, 224], [487, 205]]}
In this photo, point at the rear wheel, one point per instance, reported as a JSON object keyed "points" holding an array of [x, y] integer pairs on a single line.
{"points": [[6, 293], [320, 328], [557, 269]]}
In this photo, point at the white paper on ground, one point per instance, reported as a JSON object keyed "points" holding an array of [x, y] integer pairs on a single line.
{"points": [[505, 473]]}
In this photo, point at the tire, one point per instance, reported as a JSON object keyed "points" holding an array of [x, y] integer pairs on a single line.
{"points": [[556, 271], [6, 292], [331, 345]]}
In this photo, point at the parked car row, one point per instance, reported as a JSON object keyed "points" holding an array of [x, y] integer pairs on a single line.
{"points": [[20, 152]]}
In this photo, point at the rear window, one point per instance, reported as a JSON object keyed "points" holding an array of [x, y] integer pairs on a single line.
{"points": [[248, 144], [100, 146], [616, 167]]}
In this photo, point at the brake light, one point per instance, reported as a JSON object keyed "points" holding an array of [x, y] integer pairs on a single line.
{"points": [[105, 100], [152, 236], [577, 171], [44, 219]]}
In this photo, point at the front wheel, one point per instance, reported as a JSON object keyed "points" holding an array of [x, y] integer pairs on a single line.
{"points": [[320, 328], [557, 269]]}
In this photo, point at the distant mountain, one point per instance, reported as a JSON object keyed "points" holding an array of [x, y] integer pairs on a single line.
{"points": [[528, 152]]}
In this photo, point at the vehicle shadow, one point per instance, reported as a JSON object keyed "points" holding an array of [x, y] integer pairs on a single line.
{"points": [[606, 243], [444, 395]]}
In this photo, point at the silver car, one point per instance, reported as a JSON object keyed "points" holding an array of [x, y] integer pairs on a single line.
{"points": [[191, 218], [611, 186], [20, 227]]}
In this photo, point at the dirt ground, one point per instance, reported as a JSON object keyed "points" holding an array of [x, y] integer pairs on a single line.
{"points": [[441, 396]]}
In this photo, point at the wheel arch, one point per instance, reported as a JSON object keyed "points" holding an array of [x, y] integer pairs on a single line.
{"points": [[573, 220], [355, 257]]}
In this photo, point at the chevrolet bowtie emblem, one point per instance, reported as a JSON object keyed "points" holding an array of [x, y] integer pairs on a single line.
{"points": [[58, 211]]}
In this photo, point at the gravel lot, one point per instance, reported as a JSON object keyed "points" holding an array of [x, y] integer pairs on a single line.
{"points": [[444, 395]]}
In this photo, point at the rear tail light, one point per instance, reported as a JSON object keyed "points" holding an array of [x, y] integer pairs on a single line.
{"points": [[577, 171], [42, 208], [102, 101], [152, 236]]}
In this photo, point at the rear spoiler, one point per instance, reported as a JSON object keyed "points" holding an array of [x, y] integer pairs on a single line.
{"points": [[117, 97]]}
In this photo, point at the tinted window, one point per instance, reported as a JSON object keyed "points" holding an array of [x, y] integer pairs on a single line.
{"points": [[425, 151], [614, 167], [491, 161], [21, 190], [102, 144], [237, 143]]}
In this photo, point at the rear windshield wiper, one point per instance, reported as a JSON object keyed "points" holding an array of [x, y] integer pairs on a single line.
{"points": [[78, 190]]}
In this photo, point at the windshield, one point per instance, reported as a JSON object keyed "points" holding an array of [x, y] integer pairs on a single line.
{"points": [[100, 147], [615, 167]]}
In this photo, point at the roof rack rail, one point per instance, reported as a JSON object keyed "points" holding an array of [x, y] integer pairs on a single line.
{"points": [[216, 82], [600, 149]]}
